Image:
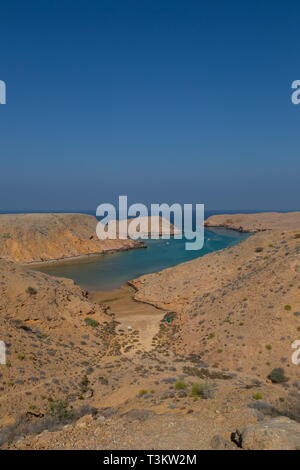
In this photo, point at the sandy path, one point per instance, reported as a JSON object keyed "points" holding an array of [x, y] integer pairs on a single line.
{"points": [[140, 316]]}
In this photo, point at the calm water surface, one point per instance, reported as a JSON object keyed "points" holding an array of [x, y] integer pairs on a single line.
{"points": [[112, 270]]}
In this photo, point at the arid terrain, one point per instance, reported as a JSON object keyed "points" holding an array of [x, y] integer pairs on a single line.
{"points": [[194, 357], [256, 222], [36, 238]]}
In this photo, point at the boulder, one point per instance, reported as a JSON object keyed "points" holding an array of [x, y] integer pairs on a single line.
{"points": [[275, 434], [218, 443]]}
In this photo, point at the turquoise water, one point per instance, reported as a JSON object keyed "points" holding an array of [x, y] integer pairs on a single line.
{"points": [[112, 270]]}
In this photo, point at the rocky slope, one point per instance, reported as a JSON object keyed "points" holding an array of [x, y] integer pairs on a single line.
{"points": [[238, 308], [212, 369], [35, 238], [47, 326], [256, 222]]}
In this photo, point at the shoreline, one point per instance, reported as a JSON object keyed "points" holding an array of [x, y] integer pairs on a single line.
{"points": [[82, 257], [114, 251]]}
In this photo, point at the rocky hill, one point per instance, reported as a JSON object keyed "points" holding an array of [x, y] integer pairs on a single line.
{"points": [[199, 359], [256, 222], [51, 331], [35, 238], [238, 308]]}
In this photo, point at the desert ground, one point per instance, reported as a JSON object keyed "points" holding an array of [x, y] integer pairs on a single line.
{"points": [[36, 238], [194, 357]]}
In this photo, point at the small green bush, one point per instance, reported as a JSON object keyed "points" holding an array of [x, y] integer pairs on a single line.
{"points": [[288, 307], [258, 396], [142, 392], [269, 347], [60, 410], [84, 384], [204, 390], [180, 385], [259, 249], [90, 322]]}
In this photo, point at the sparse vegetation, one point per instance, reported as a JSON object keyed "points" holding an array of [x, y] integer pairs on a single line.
{"points": [[31, 290], [90, 322], [204, 390], [278, 376], [84, 384], [288, 307], [60, 410], [58, 413], [259, 249], [142, 392], [258, 396], [269, 347], [205, 373], [180, 385], [211, 335]]}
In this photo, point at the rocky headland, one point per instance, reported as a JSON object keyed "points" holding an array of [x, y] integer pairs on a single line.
{"points": [[37, 238], [287, 221]]}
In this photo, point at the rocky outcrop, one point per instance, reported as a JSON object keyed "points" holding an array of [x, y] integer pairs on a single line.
{"points": [[275, 434], [35, 238], [256, 222]]}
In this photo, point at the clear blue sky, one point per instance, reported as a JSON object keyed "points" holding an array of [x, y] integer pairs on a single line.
{"points": [[165, 101]]}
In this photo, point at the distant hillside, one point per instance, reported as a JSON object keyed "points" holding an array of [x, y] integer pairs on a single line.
{"points": [[28, 238]]}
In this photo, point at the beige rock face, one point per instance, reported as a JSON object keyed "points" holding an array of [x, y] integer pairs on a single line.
{"points": [[275, 434], [34, 238], [256, 222]]}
